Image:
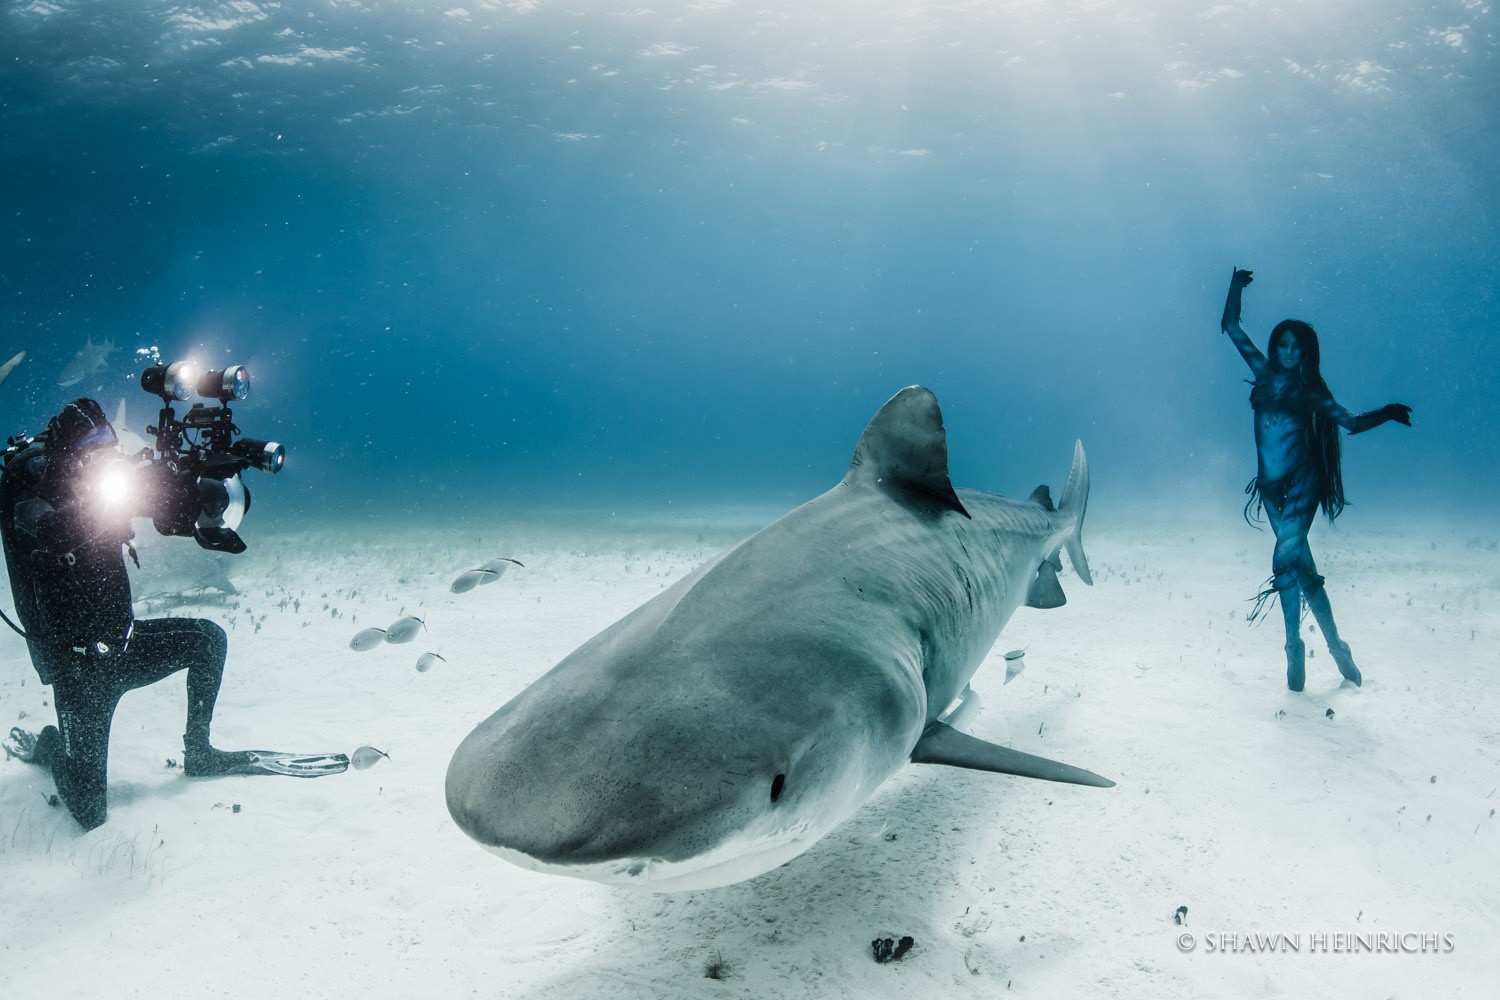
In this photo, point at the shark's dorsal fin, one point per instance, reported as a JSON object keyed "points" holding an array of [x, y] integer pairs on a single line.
{"points": [[1042, 495], [941, 744], [904, 451]]}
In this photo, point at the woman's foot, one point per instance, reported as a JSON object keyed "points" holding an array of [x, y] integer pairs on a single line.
{"points": [[1345, 660]]}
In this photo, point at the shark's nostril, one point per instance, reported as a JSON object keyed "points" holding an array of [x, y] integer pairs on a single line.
{"points": [[777, 784]]}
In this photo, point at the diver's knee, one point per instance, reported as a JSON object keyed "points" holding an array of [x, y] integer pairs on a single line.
{"points": [[85, 796], [214, 643], [214, 635], [90, 815]]}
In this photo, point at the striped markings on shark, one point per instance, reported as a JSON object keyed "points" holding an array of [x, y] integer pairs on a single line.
{"points": [[726, 725]]}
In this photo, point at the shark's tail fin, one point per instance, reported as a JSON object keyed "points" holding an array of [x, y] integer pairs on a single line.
{"points": [[1075, 501]]}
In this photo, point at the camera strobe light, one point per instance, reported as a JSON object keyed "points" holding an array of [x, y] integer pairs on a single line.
{"points": [[226, 385], [267, 456], [115, 486], [175, 381]]}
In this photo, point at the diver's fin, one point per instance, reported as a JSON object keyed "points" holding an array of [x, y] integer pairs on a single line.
{"points": [[904, 451], [942, 744], [1046, 591], [296, 765], [300, 765], [21, 744]]}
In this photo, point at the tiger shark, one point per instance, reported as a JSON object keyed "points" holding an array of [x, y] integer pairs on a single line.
{"points": [[90, 358], [11, 366], [722, 728]]}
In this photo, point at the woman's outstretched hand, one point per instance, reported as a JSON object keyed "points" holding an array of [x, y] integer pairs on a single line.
{"points": [[1237, 283], [1399, 412]]}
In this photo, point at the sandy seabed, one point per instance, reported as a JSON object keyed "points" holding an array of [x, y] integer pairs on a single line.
{"points": [[1359, 825]]}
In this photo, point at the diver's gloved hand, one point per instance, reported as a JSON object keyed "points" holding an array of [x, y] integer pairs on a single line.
{"points": [[1241, 278], [1399, 412]]}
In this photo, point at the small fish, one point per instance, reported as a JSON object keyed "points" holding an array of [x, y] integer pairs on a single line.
{"points": [[469, 580], [10, 366], [403, 630], [497, 568], [488, 573], [90, 358], [426, 661], [1015, 662], [367, 638], [367, 757]]}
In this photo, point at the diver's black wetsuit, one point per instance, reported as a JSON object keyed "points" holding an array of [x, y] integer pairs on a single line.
{"points": [[1296, 473], [72, 594]]}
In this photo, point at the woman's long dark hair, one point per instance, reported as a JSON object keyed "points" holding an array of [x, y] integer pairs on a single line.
{"points": [[1323, 433]]}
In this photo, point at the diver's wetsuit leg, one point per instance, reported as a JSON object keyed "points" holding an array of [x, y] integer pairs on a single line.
{"points": [[162, 646], [77, 751], [87, 690]]}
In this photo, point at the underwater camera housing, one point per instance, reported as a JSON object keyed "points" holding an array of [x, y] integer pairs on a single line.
{"points": [[195, 485]]}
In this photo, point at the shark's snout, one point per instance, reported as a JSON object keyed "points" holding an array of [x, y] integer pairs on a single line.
{"points": [[627, 789], [640, 800]]}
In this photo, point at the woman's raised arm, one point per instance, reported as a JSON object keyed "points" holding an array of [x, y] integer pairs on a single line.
{"points": [[1231, 323]]}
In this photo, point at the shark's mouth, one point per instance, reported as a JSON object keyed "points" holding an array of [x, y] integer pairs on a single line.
{"points": [[735, 860]]}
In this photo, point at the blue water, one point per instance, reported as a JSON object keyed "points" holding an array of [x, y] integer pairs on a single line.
{"points": [[531, 254]]}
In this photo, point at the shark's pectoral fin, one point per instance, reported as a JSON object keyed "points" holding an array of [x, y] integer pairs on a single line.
{"points": [[941, 744], [1046, 591]]}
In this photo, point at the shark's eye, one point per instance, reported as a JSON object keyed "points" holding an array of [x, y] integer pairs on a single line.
{"points": [[777, 784]]}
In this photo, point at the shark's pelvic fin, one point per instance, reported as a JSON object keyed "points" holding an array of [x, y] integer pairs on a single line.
{"points": [[1046, 590], [941, 744], [904, 451]]}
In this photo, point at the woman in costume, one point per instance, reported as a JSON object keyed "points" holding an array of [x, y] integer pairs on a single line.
{"points": [[1297, 423]]}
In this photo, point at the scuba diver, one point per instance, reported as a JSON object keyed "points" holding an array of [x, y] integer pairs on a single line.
{"points": [[65, 539], [1297, 469]]}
